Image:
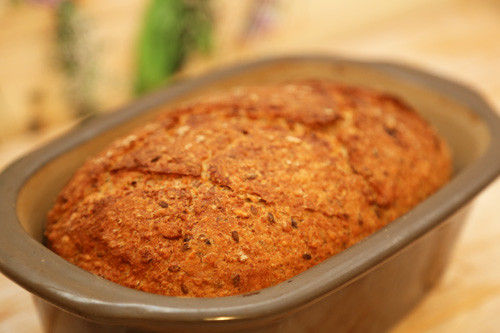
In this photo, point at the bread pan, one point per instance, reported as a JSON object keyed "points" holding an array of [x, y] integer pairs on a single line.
{"points": [[365, 288]]}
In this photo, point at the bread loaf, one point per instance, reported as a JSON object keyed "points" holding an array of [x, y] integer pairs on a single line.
{"points": [[241, 190]]}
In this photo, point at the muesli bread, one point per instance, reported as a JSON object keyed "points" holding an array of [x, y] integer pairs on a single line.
{"points": [[241, 190]]}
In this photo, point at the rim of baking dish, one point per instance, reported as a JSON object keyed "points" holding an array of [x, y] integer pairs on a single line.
{"points": [[48, 276]]}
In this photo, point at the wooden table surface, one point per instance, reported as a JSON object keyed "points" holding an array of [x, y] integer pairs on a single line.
{"points": [[457, 39]]}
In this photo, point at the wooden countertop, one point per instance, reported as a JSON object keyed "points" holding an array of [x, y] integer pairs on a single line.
{"points": [[457, 39]]}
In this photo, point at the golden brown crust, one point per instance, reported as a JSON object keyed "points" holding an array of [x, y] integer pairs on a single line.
{"points": [[243, 190]]}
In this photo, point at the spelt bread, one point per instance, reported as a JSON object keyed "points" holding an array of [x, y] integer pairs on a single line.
{"points": [[241, 190]]}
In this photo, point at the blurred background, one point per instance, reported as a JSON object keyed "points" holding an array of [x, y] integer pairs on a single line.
{"points": [[62, 60]]}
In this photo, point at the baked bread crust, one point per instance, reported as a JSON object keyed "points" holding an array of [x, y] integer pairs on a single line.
{"points": [[242, 190]]}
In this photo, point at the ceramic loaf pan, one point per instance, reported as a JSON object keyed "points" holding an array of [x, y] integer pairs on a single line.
{"points": [[365, 288]]}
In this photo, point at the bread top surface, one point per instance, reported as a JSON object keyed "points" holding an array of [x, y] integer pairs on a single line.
{"points": [[241, 190]]}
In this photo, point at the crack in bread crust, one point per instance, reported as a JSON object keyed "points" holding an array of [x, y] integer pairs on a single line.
{"points": [[241, 190]]}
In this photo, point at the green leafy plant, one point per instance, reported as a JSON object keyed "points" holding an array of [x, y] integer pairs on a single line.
{"points": [[75, 57], [172, 30]]}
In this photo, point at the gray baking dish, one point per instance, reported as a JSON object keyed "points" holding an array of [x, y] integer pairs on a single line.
{"points": [[366, 288]]}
